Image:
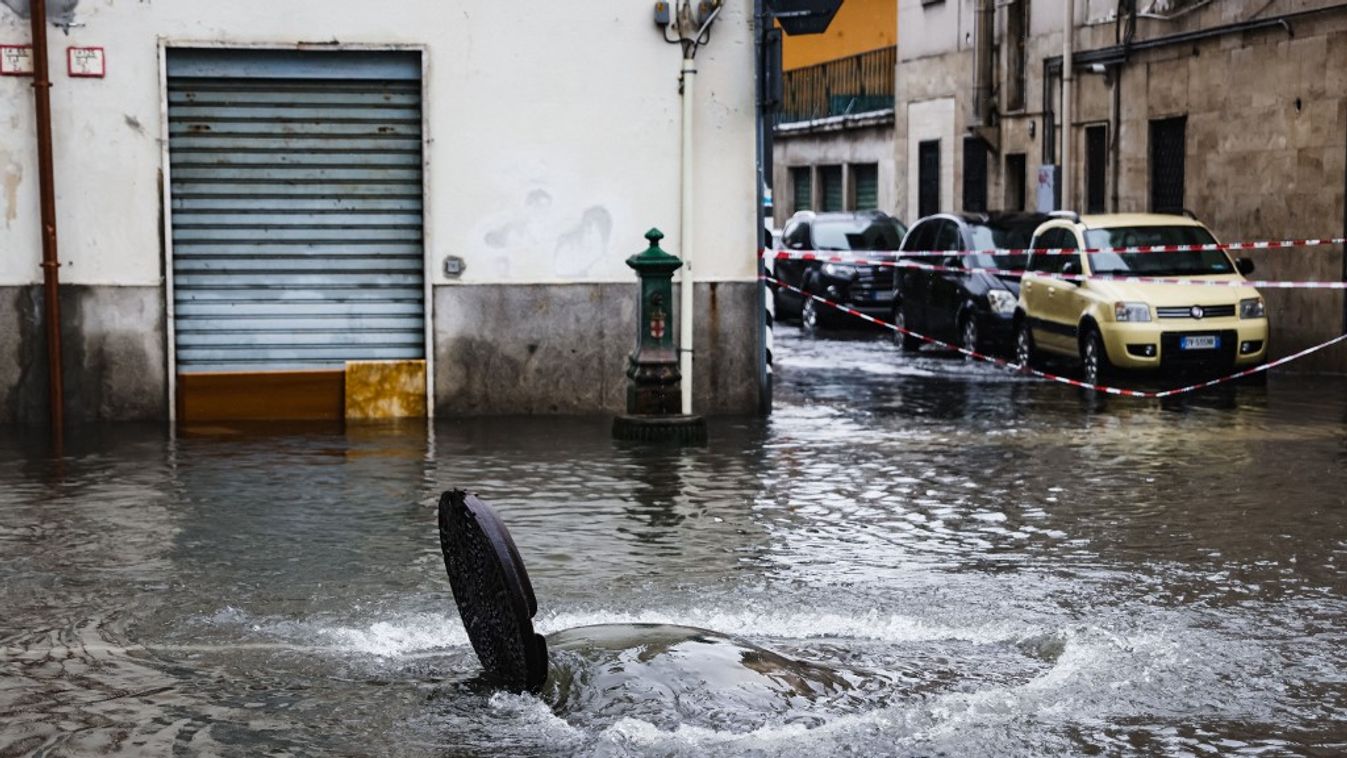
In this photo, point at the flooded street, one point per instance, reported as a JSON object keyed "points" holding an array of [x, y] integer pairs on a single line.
{"points": [[999, 566]]}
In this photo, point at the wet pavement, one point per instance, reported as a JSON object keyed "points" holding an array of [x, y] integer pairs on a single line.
{"points": [[996, 566]]}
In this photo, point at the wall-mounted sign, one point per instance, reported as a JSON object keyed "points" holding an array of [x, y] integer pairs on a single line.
{"points": [[86, 61], [16, 60]]}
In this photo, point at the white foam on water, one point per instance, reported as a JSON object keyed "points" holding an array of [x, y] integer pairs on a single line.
{"points": [[400, 636], [871, 625], [1099, 674], [878, 368], [535, 716]]}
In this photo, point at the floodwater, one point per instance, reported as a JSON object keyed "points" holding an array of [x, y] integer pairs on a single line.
{"points": [[996, 566]]}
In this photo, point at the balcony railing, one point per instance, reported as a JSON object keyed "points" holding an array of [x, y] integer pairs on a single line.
{"points": [[860, 83]]}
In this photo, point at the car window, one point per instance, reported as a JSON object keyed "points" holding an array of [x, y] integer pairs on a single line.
{"points": [[919, 239], [860, 233], [1059, 238], [796, 235], [1164, 264], [947, 237], [1000, 236]]}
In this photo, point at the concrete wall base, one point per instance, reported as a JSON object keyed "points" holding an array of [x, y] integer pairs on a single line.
{"points": [[562, 348], [113, 349]]}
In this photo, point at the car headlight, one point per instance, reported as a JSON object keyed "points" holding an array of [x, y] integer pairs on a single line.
{"points": [[1252, 308], [1001, 301], [1131, 312], [839, 270]]}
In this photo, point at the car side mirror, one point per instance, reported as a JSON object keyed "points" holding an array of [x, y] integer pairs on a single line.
{"points": [[1244, 266]]}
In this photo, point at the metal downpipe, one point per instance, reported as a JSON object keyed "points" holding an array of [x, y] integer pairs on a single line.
{"points": [[1068, 76], [686, 280], [982, 56], [47, 192]]}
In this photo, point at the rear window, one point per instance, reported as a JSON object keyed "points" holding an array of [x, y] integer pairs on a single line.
{"points": [[858, 234]]}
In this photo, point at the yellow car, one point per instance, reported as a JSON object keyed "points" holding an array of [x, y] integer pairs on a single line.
{"points": [[1111, 325]]}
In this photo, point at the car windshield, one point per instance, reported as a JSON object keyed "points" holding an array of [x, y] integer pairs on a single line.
{"points": [[858, 234], [1000, 237], [1156, 264]]}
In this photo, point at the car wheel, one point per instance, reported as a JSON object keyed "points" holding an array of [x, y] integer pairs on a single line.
{"points": [[808, 315], [905, 342], [968, 335], [1024, 347], [1094, 358]]}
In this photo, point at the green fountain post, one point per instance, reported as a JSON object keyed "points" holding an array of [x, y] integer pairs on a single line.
{"points": [[653, 380]]}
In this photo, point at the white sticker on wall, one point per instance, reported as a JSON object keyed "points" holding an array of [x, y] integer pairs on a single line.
{"points": [[86, 61], [16, 60]]}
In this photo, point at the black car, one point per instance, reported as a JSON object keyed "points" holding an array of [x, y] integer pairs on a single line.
{"points": [[972, 309], [868, 289]]}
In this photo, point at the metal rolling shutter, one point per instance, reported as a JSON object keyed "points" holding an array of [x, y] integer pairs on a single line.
{"points": [[802, 183], [296, 197], [867, 186], [832, 187]]}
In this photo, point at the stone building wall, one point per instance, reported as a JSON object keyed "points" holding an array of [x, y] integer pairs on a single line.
{"points": [[1266, 138]]}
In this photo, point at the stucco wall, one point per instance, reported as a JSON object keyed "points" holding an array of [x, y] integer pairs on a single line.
{"points": [[1266, 134], [553, 133], [552, 143], [871, 144]]}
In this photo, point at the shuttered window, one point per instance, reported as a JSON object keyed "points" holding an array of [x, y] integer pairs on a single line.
{"points": [[866, 177], [296, 208], [802, 185], [831, 177]]}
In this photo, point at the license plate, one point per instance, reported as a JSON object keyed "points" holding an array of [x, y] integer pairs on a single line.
{"points": [[1203, 342]]}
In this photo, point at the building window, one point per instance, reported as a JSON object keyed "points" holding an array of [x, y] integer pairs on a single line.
{"points": [[1096, 160], [1167, 146], [974, 174], [1017, 38], [831, 177], [865, 177], [1015, 181], [928, 178], [802, 188]]}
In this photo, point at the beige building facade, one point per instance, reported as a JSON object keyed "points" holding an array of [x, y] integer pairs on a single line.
{"points": [[1235, 111]]}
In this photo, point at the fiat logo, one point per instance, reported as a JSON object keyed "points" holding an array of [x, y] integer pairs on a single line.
{"points": [[1196, 311]]}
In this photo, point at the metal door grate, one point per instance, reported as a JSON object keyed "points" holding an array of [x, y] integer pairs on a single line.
{"points": [[1167, 156], [297, 218], [974, 174], [928, 178], [1096, 160]]}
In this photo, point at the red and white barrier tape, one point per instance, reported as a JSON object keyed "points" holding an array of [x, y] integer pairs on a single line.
{"points": [[1183, 281], [831, 255], [1148, 394]]}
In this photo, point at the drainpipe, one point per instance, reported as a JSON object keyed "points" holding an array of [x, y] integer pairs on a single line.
{"points": [[688, 78], [47, 192], [1114, 130], [982, 58], [1068, 76]]}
